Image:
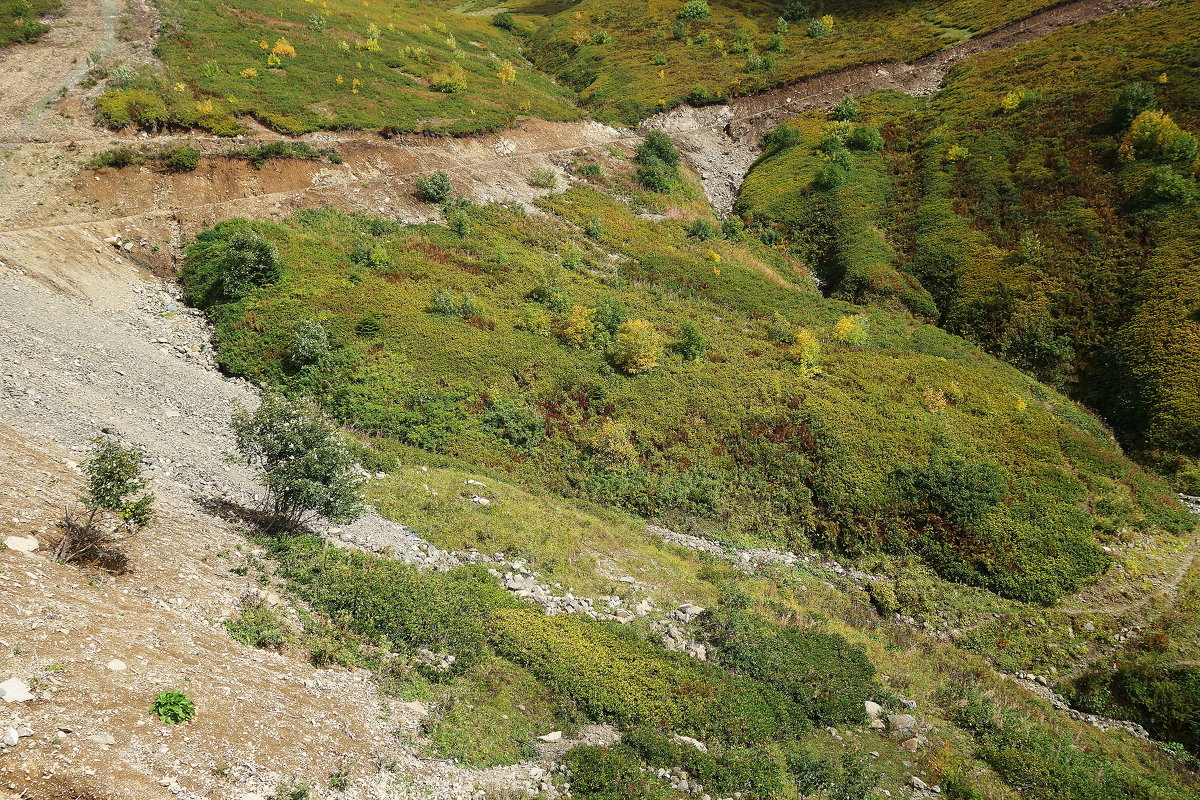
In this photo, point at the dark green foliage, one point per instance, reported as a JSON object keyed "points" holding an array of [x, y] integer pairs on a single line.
{"points": [[701, 230], [524, 427], [434, 189], [658, 145], [865, 137], [610, 314], [173, 707], [1163, 698], [795, 11], [306, 467], [309, 345], [658, 162], [951, 488], [229, 262], [504, 21], [369, 326], [826, 676], [1165, 188], [608, 773], [691, 345], [1132, 99]]}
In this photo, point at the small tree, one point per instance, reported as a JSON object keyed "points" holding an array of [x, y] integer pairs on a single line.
{"points": [[116, 507], [806, 352], [1132, 99], [637, 347], [309, 345], [691, 343], [434, 189], [694, 9], [851, 330], [247, 262], [846, 109], [307, 468]]}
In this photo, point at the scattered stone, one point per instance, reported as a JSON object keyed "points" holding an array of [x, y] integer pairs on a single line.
{"points": [[911, 745], [553, 736], [918, 784], [116, 665], [696, 743], [10, 737], [102, 738], [15, 690], [480, 501], [901, 722], [22, 544], [872, 708]]}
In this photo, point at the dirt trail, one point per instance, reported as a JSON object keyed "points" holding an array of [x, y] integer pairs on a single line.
{"points": [[721, 142]]}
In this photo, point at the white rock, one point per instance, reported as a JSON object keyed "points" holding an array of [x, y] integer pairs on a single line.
{"points": [[696, 743], [22, 544], [10, 737], [480, 501], [116, 665], [872, 708], [473, 482], [15, 690], [102, 738], [553, 736]]}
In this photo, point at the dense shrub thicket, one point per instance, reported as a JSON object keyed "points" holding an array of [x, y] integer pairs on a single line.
{"points": [[1053, 207], [789, 419]]}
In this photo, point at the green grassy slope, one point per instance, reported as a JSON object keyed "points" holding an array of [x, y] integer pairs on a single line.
{"points": [[487, 340], [376, 65], [1038, 223], [628, 61]]}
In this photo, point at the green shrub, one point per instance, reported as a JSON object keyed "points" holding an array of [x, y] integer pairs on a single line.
{"points": [[816, 29], [691, 344], [821, 672], [655, 175], [521, 425], [119, 108], [607, 773], [258, 626], [173, 708], [694, 9], [434, 189], [116, 158], [699, 95], [701, 230], [1132, 100], [543, 178], [307, 468], [846, 109], [796, 11], [505, 22], [181, 159], [865, 137], [658, 146], [1165, 188]]}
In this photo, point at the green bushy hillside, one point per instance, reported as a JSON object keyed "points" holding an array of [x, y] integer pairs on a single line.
{"points": [[597, 353], [628, 61], [1045, 199], [302, 66]]}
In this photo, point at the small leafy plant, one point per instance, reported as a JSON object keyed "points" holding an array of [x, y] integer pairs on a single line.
{"points": [[172, 707]]}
